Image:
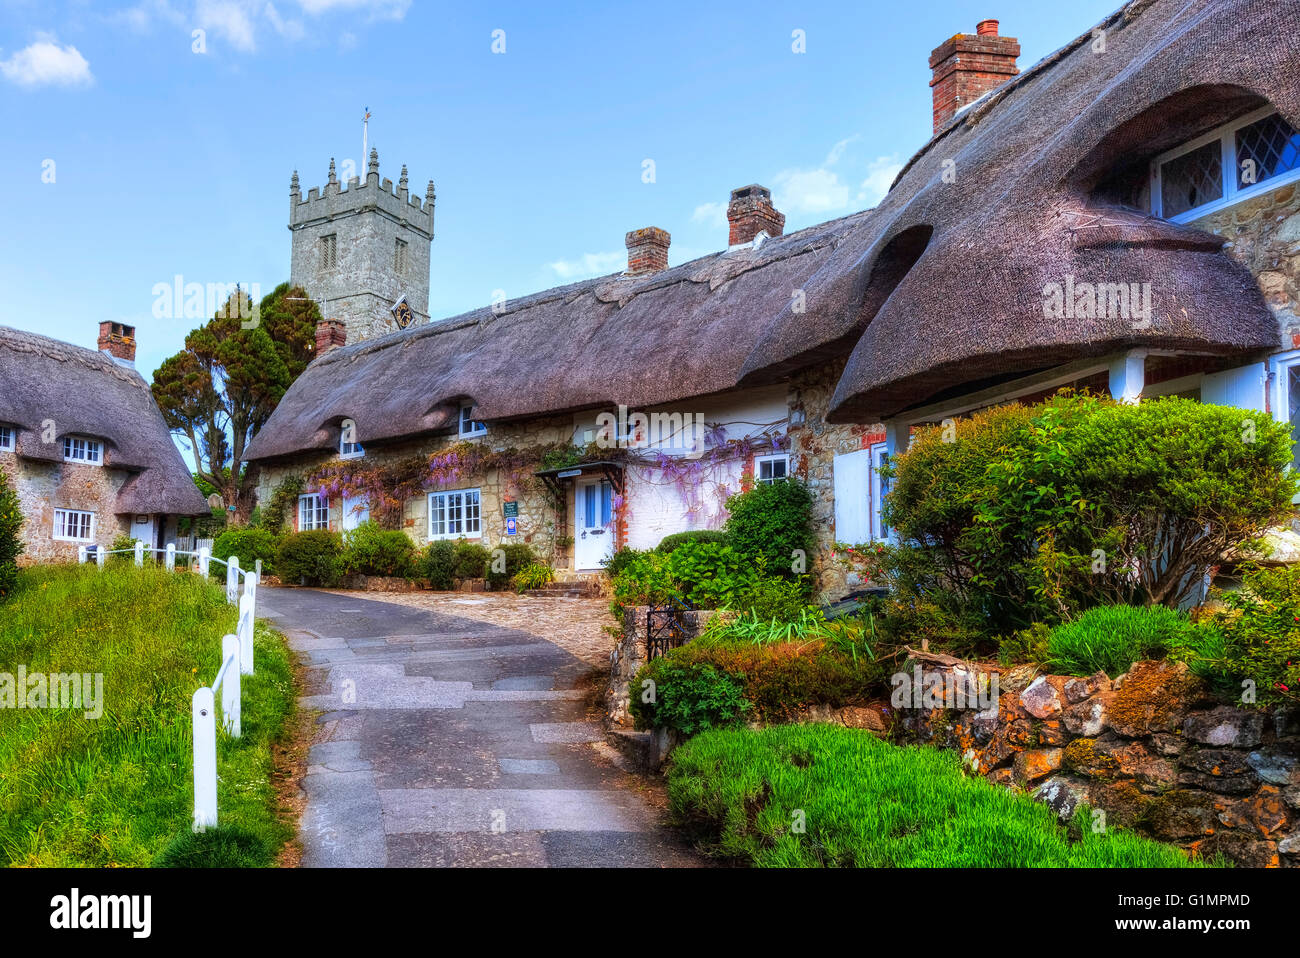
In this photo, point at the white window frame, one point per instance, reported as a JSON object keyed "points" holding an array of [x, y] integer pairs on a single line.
{"points": [[350, 450], [320, 506], [6, 438], [91, 452], [1227, 137], [783, 458], [879, 488], [82, 518], [466, 416], [467, 500]]}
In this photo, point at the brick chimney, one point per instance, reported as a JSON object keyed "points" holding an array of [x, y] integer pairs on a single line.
{"points": [[330, 333], [966, 67], [647, 251], [751, 212], [118, 340]]}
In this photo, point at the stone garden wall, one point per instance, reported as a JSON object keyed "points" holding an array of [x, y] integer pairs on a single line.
{"points": [[629, 655], [1151, 750]]}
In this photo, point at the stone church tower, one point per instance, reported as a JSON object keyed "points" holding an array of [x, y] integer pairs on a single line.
{"points": [[360, 249]]}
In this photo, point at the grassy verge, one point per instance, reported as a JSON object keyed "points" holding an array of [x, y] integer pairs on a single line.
{"points": [[118, 789], [868, 804]]}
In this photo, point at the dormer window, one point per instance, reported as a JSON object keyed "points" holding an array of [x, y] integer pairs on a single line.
{"points": [[348, 447], [1254, 153], [6, 438], [468, 425], [82, 450]]}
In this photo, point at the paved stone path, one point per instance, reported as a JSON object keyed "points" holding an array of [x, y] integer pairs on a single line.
{"points": [[445, 741]]}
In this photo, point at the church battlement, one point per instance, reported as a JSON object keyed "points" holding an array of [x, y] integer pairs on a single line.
{"points": [[362, 248], [358, 195]]}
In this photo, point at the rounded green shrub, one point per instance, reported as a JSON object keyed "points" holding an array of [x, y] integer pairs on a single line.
{"points": [[310, 558], [438, 564], [371, 550], [772, 523], [506, 561], [471, 560], [670, 542], [250, 544]]}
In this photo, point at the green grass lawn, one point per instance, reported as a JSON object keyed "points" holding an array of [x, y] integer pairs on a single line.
{"points": [[118, 789], [866, 803]]}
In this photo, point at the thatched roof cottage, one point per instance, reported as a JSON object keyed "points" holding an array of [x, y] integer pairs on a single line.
{"points": [[1124, 214], [86, 447]]}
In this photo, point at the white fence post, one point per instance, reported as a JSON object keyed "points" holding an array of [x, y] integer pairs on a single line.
{"points": [[100, 555], [246, 631], [171, 557], [232, 580], [257, 567], [204, 556], [205, 759], [81, 554], [139, 554], [251, 581], [230, 685]]}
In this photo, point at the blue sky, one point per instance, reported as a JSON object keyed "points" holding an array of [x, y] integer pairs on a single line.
{"points": [[169, 161]]}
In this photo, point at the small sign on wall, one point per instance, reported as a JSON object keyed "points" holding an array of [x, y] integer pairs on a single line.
{"points": [[510, 509], [512, 526]]}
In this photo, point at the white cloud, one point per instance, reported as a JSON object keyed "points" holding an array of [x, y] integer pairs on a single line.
{"points": [[380, 9], [880, 174], [45, 63], [809, 191], [711, 214], [230, 19], [142, 16], [289, 29], [837, 151], [588, 265]]}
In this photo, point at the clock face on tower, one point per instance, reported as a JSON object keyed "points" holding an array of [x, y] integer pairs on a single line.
{"points": [[403, 313]]}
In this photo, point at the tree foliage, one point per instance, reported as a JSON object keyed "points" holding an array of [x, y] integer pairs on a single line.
{"points": [[1033, 513], [221, 388], [11, 546]]}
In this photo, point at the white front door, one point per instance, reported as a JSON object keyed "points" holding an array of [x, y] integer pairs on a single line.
{"points": [[142, 529], [593, 528]]}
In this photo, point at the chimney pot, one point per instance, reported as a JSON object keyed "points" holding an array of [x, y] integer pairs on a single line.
{"points": [[647, 251], [967, 66], [330, 334], [118, 340], [751, 212]]}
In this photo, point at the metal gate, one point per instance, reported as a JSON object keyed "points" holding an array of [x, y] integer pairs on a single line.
{"points": [[665, 628]]}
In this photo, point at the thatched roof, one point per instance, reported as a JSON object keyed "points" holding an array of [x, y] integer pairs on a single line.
{"points": [[939, 286], [86, 393]]}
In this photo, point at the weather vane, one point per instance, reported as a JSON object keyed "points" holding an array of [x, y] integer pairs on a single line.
{"points": [[365, 134]]}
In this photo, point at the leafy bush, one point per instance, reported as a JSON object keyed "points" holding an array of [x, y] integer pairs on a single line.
{"points": [[785, 600], [517, 556], [1110, 638], [123, 549], [1020, 513], [706, 575], [536, 575], [250, 544], [282, 501], [773, 522], [778, 678], [670, 542], [310, 558], [1255, 639], [371, 550], [11, 522], [438, 564], [471, 560], [621, 559], [687, 696], [868, 804]]}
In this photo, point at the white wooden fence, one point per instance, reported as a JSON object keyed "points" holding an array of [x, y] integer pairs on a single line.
{"points": [[236, 660]]}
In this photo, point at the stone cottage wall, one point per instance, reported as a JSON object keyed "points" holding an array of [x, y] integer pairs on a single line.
{"points": [[628, 656], [814, 443], [537, 520], [43, 487], [1150, 750]]}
